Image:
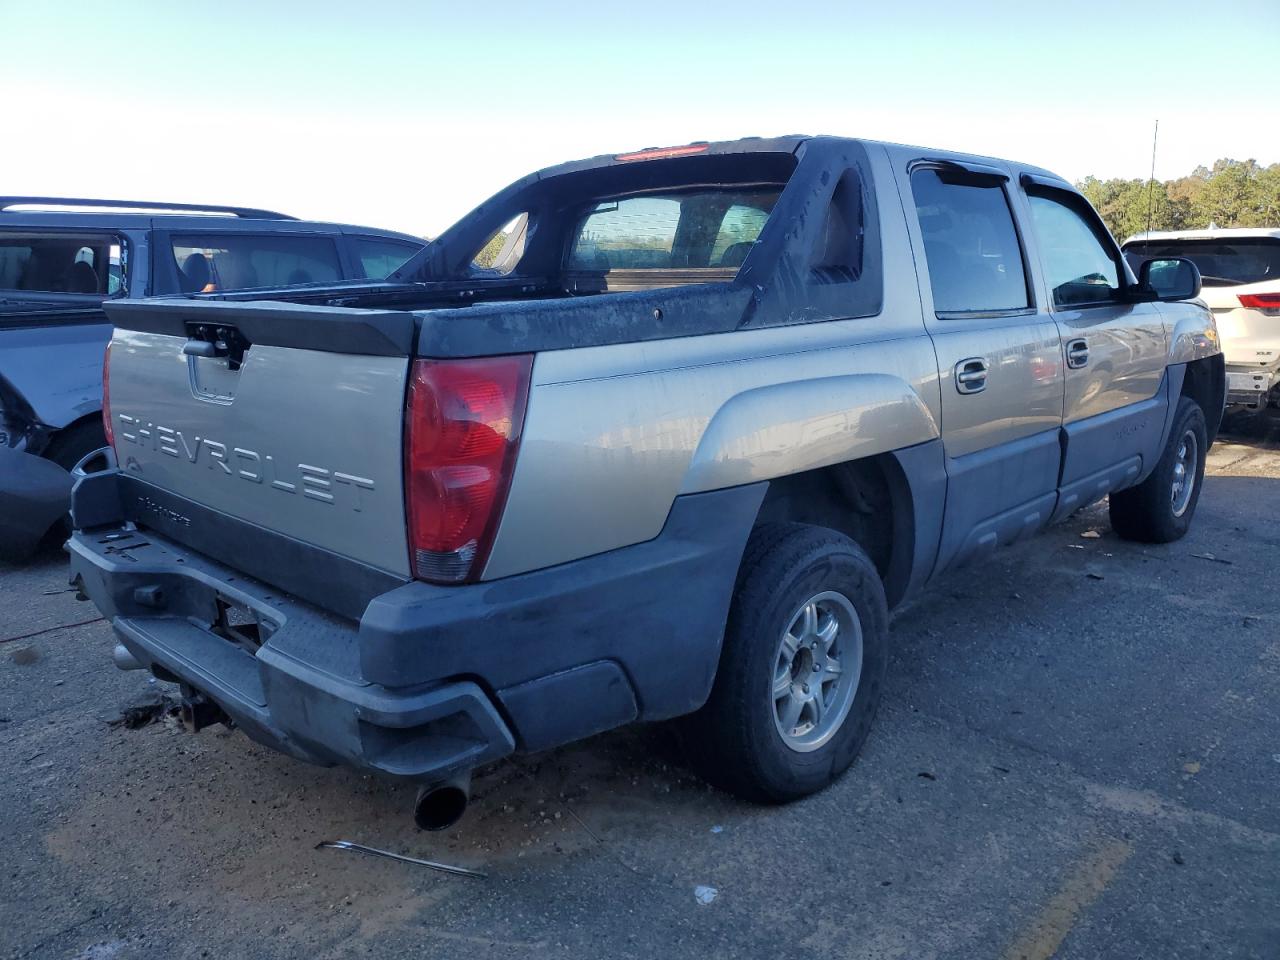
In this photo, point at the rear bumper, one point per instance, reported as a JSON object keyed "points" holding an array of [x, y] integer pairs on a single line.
{"points": [[1251, 387], [34, 493], [430, 680]]}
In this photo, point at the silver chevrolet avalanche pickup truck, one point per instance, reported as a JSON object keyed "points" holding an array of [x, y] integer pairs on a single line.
{"points": [[672, 447]]}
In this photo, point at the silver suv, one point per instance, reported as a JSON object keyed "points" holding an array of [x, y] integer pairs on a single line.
{"points": [[698, 418]]}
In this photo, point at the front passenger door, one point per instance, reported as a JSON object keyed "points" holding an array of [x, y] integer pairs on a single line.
{"points": [[1115, 349]]}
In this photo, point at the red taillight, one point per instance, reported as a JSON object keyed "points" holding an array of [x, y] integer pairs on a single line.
{"points": [[462, 428], [1260, 301], [106, 397]]}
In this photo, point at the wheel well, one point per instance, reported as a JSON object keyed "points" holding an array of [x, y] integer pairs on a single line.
{"points": [[58, 439], [868, 501], [1205, 383]]}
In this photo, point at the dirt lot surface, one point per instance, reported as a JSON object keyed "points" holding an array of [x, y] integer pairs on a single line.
{"points": [[1078, 756]]}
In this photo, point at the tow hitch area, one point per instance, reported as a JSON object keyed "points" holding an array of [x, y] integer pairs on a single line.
{"points": [[240, 624], [197, 711]]}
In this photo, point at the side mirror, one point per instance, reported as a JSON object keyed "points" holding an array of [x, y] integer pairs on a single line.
{"points": [[1172, 278]]}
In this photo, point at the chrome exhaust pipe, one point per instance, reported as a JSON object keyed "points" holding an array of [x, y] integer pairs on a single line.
{"points": [[440, 805], [125, 660]]}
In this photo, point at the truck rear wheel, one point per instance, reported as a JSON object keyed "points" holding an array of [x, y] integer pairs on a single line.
{"points": [[1159, 510], [801, 668]]}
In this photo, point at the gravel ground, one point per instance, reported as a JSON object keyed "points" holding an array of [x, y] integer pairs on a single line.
{"points": [[1078, 756]]}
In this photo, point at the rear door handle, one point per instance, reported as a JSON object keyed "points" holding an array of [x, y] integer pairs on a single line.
{"points": [[971, 375], [1078, 354]]}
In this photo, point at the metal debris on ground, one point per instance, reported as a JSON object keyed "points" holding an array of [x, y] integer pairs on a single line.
{"points": [[375, 852], [704, 895], [1210, 556], [717, 829], [1091, 535]]}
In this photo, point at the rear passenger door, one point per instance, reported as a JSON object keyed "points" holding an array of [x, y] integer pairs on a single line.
{"points": [[1115, 348], [207, 261], [999, 358], [52, 328]]}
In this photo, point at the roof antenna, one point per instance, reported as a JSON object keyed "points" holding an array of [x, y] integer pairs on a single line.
{"points": [[1151, 183]]}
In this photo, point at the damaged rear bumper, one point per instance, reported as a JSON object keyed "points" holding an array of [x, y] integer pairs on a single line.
{"points": [[1251, 387], [429, 680], [285, 672]]}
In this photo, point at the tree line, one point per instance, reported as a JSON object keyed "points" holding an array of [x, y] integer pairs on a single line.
{"points": [[1231, 193]]}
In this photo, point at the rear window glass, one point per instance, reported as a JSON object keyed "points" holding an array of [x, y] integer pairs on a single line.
{"points": [[381, 258], [232, 262], [61, 264], [1221, 263], [502, 252], [697, 229]]}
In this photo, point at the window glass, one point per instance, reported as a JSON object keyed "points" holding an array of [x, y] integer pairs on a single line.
{"points": [[972, 249], [1222, 263], [707, 228], [56, 264], [117, 266], [379, 258], [838, 254], [504, 248], [1078, 265], [739, 229], [239, 261]]}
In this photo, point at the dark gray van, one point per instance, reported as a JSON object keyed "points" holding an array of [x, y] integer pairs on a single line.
{"points": [[61, 258]]}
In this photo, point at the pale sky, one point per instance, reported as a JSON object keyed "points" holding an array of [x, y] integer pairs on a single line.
{"points": [[405, 115]]}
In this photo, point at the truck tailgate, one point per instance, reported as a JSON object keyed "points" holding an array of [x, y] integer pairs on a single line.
{"points": [[284, 416]]}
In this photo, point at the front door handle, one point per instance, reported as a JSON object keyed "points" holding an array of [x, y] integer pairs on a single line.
{"points": [[971, 375], [1078, 354]]}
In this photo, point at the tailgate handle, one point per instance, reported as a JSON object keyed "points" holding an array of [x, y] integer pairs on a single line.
{"points": [[210, 341], [200, 348]]}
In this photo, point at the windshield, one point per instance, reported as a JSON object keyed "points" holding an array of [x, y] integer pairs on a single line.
{"points": [[1221, 262]]}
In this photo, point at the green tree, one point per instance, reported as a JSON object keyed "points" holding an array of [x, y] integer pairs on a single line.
{"points": [[1231, 193], [1126, 206], [489, 252], [1230, 197]]}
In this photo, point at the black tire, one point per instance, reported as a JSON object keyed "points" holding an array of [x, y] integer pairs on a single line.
{"points": [[1147, 513], [735, 740], [69, 446]]}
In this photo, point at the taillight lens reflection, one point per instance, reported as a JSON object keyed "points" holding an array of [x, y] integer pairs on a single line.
{"points": [[463, 422]]}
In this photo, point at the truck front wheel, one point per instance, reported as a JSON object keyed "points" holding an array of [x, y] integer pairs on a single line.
{"points": [[801, 668], [1159, 510]]}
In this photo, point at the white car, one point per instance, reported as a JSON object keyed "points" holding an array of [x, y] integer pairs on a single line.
{"points": [[1240, 270]]}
